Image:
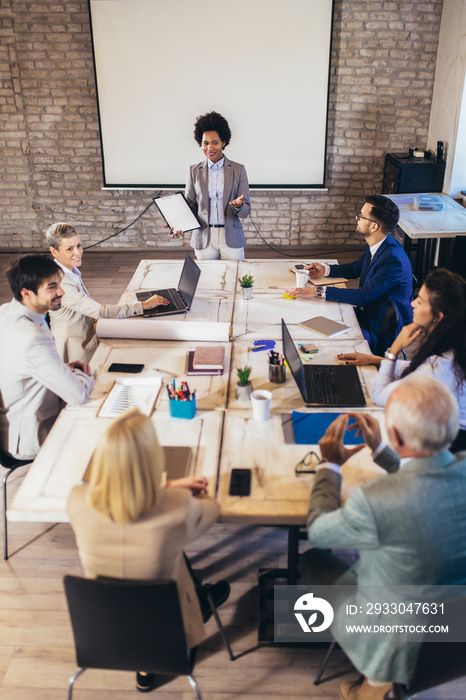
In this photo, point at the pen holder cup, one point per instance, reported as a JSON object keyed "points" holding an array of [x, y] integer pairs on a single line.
{"points": [[277, 374], [182, 409]]}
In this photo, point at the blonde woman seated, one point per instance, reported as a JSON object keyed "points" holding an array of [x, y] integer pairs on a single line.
{"points": [[73, 325], [439, 323], [128, 525]]}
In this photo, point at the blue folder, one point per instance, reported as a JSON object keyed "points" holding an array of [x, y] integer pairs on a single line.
{"points": [[308, 428]]}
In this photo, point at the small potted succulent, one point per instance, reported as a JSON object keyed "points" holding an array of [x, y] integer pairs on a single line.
{"points": [[246, 283], [244, 386]]}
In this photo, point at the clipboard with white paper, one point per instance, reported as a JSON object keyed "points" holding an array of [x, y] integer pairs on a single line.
{"points": [[177, 212]]}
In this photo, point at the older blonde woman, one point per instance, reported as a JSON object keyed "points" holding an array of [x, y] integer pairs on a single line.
{"points": [[127, 525], [73, 325]]}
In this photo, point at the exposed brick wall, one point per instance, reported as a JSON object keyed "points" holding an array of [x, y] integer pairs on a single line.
{"points": [[383, 64]]}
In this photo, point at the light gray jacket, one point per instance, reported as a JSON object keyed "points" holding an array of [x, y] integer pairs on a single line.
{"points": [[33, 378], [409, 528]]}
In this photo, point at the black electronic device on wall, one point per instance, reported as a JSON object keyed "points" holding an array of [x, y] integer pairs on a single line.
{"points": [[407, 173]]}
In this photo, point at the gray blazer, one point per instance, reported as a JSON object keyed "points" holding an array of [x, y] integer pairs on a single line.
{"points": [[409, 528], [197, 194], [73, 326], [33, 378]]}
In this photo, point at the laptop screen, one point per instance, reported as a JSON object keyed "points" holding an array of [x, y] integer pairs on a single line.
{"points": [[294, 361], [188, 280]]}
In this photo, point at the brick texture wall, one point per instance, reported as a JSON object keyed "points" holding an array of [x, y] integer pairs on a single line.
{"points": [[383, 65]]}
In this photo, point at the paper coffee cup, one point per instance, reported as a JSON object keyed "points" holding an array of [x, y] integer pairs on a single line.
{"points": [[260, 400]]}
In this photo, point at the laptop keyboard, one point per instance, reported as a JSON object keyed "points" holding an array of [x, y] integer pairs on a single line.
{"points": [[324, 385], [172, 306]]}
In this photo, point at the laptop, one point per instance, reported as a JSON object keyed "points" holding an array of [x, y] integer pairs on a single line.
{"points": [[177, 462], [181, 298], [323, 385]]}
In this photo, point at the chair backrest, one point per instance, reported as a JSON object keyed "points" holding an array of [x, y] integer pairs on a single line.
{"points": [[127, 625], [441, 662], [457, 261], [390, 321]]}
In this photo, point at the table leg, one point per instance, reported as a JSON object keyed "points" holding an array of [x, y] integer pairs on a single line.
{"points": [[293, 554]]}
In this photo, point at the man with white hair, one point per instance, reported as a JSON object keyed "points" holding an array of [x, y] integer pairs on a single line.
{"points": [[409, 526]]}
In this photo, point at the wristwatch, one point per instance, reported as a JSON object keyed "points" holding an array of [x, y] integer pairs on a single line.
{"points": [[389, 355], [320, 291]]}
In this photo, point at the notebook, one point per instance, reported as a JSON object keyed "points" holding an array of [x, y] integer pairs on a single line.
{"points": [[323, 385], [190, 371], [181, 298], [324, 326], [209, 357]]}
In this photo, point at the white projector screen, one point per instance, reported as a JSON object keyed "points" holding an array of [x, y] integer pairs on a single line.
{"points": [[263, 64]]}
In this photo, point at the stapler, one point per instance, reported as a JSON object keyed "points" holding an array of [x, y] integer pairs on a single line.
{"points": [[263, 345]]}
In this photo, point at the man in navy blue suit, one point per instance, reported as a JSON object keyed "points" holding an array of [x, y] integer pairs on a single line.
{"points": [[384, 271]]}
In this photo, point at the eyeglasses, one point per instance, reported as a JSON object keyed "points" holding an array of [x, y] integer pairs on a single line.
{"points": [[308, 464], [360, 216]]}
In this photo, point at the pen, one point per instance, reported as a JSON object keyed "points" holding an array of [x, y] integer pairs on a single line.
{"points": [[164, 371]]}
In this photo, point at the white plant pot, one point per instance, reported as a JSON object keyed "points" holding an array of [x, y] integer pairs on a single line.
{"points": [[243, 391], [246, 293]]}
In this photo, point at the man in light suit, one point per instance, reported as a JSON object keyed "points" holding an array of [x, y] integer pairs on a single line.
{"points": [[34, 380], [409, 526], [217, 191], [384, 272]]}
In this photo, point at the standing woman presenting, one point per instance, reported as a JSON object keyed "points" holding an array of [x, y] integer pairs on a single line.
{"points": [[217, 191]]}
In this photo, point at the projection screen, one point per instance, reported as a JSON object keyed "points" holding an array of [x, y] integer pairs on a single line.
{"points": [[263, 64]]}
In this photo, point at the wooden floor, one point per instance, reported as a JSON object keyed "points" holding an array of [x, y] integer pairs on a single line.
{"points": [[36, 647]]}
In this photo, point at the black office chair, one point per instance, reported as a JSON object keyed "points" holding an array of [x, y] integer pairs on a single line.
{"points": [[387, 333], [457, 262], [388, 328], [130, 626], [10, 463]]}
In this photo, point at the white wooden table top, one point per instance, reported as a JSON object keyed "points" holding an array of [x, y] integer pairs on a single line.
{"points": [[447, 223], [223, 434]]}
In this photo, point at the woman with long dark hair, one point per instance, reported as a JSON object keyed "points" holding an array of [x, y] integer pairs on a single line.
{"points": [[439, 323]]}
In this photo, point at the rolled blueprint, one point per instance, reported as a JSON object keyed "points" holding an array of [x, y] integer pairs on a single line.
{"points": [[160, 329]]}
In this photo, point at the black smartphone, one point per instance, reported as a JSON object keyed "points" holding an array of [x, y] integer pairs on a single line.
{"points": [[240, 482], [299, 267], [125, 367]]}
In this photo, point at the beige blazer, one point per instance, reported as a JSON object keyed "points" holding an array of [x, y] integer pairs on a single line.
{"points": [[73, 326], [149, 548]]}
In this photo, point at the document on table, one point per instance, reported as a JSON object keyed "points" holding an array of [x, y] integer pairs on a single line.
{"points": [[129, 393]]}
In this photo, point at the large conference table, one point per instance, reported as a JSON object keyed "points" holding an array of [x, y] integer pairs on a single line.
{"points": [[223, 434]]}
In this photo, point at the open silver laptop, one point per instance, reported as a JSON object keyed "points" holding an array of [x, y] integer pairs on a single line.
{"points": [[323, 385], [180, 298]]}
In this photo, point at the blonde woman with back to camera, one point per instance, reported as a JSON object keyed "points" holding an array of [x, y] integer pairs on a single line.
{"points": [[129, 525]]}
